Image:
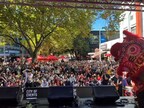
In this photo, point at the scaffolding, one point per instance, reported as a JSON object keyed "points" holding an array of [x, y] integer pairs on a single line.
{"points": [[124, 5]]}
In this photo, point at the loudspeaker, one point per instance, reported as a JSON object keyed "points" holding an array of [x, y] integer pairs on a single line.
{"points": [[105, 95], [61, 96], [140, 99], [8, 96], [84, 92]]}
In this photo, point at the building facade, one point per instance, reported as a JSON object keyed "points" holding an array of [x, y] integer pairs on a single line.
{"points": [[132, 21]]}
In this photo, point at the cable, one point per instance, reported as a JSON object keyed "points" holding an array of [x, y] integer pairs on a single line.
{"points": [[88, 102], [124, 101]]}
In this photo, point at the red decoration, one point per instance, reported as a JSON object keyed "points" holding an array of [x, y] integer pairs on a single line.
{"points": [[130, 55]]}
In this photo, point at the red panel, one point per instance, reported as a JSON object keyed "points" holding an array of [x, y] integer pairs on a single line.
{"points": [[139, 22]]}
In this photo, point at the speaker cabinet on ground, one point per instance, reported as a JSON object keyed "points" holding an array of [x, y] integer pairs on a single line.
{"points": [[61, 96], [8, 96], [104, 95]]}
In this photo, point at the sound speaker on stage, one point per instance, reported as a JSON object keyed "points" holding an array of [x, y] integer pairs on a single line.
{"points": [[61, 96], [105, 94], [8, 96]]}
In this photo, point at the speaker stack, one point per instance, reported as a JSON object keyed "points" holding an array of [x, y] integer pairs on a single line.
{"points": [[105, 95], [64, 96], [8, 96], [61, 96]]}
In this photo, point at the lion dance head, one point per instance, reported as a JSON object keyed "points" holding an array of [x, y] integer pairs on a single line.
{"points": [[130, 56]]}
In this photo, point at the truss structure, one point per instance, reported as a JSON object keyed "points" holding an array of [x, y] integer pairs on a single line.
{"points": [[124, 5]]}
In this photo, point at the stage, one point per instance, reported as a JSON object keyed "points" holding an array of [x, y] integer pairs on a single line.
{"points": [[43, 103], [78, 97]]}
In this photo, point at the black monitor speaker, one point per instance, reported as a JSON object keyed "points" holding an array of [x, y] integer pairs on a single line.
{"points": [[105, 95], [84, 92], [61, 96], [8, 96]]}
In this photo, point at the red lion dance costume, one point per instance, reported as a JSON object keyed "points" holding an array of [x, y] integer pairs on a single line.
{"points": [[130, 55]]}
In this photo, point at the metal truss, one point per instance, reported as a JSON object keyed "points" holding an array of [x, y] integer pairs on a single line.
{"points": [[124, 5]]}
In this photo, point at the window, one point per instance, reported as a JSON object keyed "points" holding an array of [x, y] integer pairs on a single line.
{"points": [[133, 29], [131, 17]]}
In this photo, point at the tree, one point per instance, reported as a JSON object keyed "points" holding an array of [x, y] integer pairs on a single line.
{"points": [[59, 42], [113, 18], [81, 46], [41, 26], [36, 25]]}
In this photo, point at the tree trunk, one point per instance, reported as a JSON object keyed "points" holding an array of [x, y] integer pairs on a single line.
{"points": [[34, 57]]}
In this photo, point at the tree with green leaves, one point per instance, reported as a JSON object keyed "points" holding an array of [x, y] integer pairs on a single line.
{"points": [[81, 47], [39, 27], [112, 18], [36, 26]]}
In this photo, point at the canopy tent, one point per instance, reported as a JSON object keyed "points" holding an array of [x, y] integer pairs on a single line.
{"points": [[39, 58], [62, 57], [52, 58]]}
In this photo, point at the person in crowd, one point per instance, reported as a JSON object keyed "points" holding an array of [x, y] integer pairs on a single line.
{"points": [[105, 78], [28, 78], [114, 80], [3, 81], [98, 79], [72, 79], [67, 83], [45, 74], [44, 83], [120, 86]]}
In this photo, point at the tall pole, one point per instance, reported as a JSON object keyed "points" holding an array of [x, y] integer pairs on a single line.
{"points": [[22, 56], [99, 45], [4, 53]]}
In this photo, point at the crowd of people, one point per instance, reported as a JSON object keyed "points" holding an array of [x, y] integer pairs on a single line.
{"points": [[70, 73]]}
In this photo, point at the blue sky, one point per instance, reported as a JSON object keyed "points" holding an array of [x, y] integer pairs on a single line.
{"points": [[98, 24]]}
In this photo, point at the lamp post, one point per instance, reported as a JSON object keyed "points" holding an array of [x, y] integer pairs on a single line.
{"points": [[99, 45], [4, 48]]}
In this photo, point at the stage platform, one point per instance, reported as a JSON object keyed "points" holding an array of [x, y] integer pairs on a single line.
{"points": [[86, 97], [83, 103]]}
